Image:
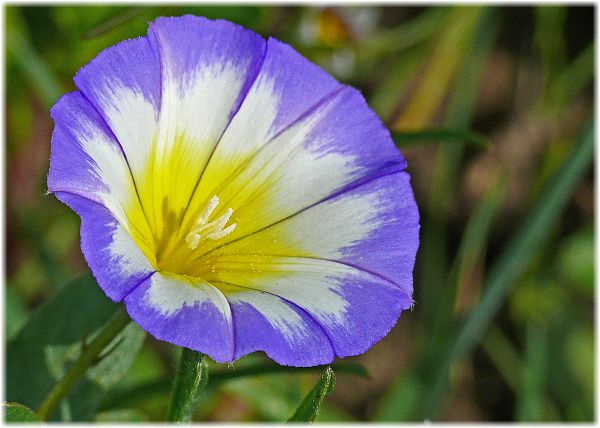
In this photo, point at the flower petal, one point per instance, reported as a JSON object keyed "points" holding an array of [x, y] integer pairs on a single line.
{"points": [[207, 68], [321, 154], [342, 299], [86, 160], [115, 260], [285, 332], [276, 99], [374, 226], [123, 84], [186, 312]]}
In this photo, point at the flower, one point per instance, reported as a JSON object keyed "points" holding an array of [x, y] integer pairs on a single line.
{"points": [[235, 196]]}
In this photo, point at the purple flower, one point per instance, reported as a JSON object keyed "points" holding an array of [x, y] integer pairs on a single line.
{"points": [[234, 196]]}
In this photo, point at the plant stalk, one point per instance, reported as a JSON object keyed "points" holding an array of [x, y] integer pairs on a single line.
{"points": [[190, 380], [87, 358]]}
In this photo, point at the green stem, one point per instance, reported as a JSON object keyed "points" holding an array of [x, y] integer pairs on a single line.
{"points": [[87, 358], [191, 378]]}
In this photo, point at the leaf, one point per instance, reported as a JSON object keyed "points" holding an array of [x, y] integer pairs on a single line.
{"points": [[16, 313], [432, 135], [308, 409], [18, 413], [51, 339], [190, 380]]}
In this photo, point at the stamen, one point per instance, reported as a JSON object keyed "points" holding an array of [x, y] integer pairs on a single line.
{"points": [[210, 207], [221, 233], [213, 230]]}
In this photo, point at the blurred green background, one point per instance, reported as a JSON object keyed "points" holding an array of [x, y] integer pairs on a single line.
{"points": [[502, 328]]}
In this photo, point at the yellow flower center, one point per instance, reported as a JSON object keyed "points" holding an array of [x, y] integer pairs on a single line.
{"points": [[172, 217]]}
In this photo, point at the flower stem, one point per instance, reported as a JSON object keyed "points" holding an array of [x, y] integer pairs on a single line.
{"points": [[190, 379], [87, 358]]}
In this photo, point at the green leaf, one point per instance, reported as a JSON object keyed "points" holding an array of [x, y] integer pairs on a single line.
{"points": [[51, 340], [407, 139], [312, 402], [18, 413], [16, 311], [189, 382]]}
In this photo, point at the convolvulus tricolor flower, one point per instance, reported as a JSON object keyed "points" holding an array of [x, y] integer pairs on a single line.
{"points": [[235, 196]]}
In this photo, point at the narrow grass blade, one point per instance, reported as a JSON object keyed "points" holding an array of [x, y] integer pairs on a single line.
{"points": [[515, 257], [569, 83], [530, 395], [433, 258], [190, 380], [550, 37], [34, 68], [448, 53], [526, 240], [113, 22], [396, 81], [307, 412], [387, 43], [470, 251], [437, 135], [503, 355]]}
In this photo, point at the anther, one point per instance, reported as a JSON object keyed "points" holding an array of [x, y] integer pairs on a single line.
{"points": [[214, 230]]}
